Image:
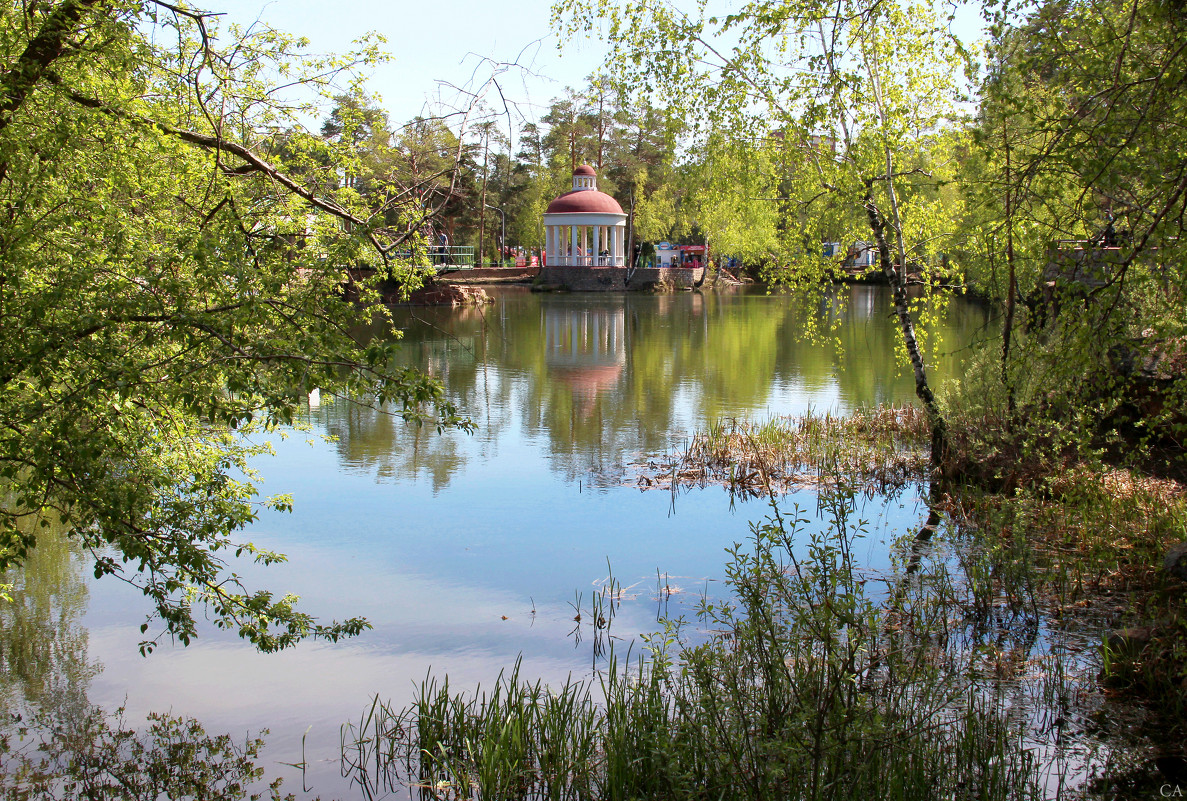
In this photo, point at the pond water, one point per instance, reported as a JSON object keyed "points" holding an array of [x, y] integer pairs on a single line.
{"points": [[468, 550]]}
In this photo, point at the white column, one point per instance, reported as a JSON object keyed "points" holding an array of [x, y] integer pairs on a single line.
{"points": [[597, 244], [573, 245]]}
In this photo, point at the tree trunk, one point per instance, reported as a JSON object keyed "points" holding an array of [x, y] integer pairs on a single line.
{"points": [[1012, 289], [629, 256], [898, 277], [51, 41], [482, 203], [601, 130], [898, 284]]}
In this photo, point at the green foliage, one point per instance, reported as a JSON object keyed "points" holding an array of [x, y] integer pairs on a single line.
{"points": [[792, 108], [736, 202], [173, 255], [631, 144], [1075, 199]]}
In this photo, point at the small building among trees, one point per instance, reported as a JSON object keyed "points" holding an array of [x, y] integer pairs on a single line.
{"points": [[585, 228], [585, 241]]}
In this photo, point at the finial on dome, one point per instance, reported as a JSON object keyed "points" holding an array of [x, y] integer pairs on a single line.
{"points": [[585, 177]]}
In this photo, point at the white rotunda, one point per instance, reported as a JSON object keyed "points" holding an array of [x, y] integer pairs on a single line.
{"points": [[585, 227]]}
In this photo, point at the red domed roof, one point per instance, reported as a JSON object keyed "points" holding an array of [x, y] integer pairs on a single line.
{"points": [[588, 201], [584, 169]]}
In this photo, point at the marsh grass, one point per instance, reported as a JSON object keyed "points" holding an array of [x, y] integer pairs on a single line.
{"points": [[880, 450]]}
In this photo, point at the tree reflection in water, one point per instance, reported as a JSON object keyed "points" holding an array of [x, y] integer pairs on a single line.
{"points": [[600, 379], [43, 644], [53, 742]]}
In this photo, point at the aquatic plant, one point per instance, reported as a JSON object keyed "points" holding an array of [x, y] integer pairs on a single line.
{"points": [[880, 450], [812, 687]]}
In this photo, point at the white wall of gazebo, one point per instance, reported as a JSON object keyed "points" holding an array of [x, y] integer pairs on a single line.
{"points": [[585, 239]]}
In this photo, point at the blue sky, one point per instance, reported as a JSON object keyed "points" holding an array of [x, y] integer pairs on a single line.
{"points": [[431, 41], [436, 43]]}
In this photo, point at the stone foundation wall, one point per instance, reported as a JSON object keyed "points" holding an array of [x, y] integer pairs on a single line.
{"points": [[585, 279]]}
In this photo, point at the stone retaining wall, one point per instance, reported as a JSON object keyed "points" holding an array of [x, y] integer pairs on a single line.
{"points": [[676, 277], [585, 279]]}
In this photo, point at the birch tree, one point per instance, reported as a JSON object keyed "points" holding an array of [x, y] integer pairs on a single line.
{"points": [[861, 92]]}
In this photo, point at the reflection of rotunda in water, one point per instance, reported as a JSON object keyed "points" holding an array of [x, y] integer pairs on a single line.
{"points": [[585, 348]]}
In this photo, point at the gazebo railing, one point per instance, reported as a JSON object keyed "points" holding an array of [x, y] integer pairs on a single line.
{"points": [[588, 261]]}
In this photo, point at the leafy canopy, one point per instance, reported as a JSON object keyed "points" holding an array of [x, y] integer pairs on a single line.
{"points": [[173, 254]]}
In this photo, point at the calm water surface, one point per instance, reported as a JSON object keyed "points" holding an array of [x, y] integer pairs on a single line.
{"points": [[465, 551]]}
